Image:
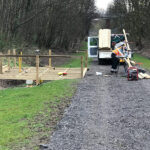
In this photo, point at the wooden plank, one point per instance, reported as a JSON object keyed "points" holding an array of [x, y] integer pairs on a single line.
{"points": [[105, 38], [126, 40], [84, 72], [140, 76], [20, 62], [17, 78], [81, 66], [43, 72], [127, 60], [32, 77], [9, 60], [58, 68], [37, 70], [65, 56], [144, 75], [86, 59], [1, 65], [60, 77], [26, 71], [14, 53], [66, 70], [5, 68], [50, 58], [56, 75]]}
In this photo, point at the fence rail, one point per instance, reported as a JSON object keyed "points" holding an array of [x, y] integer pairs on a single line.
{"points": [[37, 59]]}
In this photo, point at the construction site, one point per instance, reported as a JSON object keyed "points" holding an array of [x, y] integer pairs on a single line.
{"points": [[38, 73], [74, 75], [105, 44], [110, 109], [111, 96]]}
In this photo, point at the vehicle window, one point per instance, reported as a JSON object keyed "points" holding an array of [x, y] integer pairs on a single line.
{"points": [[93, 41], [116, 39], [93, 51]]}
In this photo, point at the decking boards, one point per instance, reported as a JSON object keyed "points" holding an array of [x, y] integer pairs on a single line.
{"points": [[45, 73]]}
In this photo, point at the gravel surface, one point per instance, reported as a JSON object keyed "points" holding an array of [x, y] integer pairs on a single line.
{"points": [[106, 113]]}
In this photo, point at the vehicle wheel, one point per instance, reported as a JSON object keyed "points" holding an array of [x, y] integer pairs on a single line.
{"points": [[100, 61]]}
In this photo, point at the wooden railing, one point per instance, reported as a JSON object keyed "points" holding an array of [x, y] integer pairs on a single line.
{"points": [[20, 56]]}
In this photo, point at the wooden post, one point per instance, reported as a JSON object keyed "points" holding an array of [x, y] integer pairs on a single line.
{"points": [[126, 40], [1, 65], [50, 59], [86, 59], [81, 66], [14, 53], [37, 69], [20, 62], [8, 60]]}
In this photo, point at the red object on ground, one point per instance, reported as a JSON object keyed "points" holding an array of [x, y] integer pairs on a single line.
{"points": [[133, 73], [64, 73]]}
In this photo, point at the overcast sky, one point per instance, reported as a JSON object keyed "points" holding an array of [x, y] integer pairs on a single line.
{"points": [[102, 4]]}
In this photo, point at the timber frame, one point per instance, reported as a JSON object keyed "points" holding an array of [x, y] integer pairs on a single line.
{"points": [[38, 73]]}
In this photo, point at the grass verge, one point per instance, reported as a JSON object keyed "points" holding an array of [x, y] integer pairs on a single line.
{"points": [[28, 115], [141, 59], [76, 62], [20, 106], [84, 45]]}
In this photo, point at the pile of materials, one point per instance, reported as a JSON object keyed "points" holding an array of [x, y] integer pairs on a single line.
{"points": [[134, 71]]}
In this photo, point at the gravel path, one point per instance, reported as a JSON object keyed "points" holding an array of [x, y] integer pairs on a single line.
{"points": [[107, 113]]}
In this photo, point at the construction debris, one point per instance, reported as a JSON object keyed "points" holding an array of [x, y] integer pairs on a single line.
{"points": [[132, 64], [98, 73]]}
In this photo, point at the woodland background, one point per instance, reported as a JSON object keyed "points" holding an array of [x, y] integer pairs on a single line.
{"points": [[62, 24], [134, 16], [46, 23]]}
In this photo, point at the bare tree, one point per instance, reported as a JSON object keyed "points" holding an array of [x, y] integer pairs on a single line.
{"points": [[134, 16], [48, 23]]}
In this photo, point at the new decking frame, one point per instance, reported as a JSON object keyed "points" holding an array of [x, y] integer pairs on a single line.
{"points": [[38, 73]]}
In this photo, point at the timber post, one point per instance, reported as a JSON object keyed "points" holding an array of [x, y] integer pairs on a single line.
{"points": [[1, 64], [8, 60], [14, 53], [50, 58], [37, 69], [81, 66], [20, 62], [86, 59]]}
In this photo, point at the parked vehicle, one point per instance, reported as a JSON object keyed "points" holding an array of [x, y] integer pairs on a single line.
{"points": [[101, 46]]}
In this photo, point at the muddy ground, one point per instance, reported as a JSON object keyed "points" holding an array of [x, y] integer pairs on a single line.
{"points": [[106, 113], [4, 84]]}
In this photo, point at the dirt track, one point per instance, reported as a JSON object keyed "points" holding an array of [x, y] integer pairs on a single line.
{"points": [[107, 113]]}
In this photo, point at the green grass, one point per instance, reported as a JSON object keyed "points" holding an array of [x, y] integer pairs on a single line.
{"points": [[84, 46], [142, 59], [76, 62], [5, 62], [19, 106]]}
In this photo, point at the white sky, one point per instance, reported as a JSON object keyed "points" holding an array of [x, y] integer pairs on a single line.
{"points": [[102, 4]]}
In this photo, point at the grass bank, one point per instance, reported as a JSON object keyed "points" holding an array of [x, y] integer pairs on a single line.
{"points": [[28, 115], [145, 61], [76, 62], [20, 108]]}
